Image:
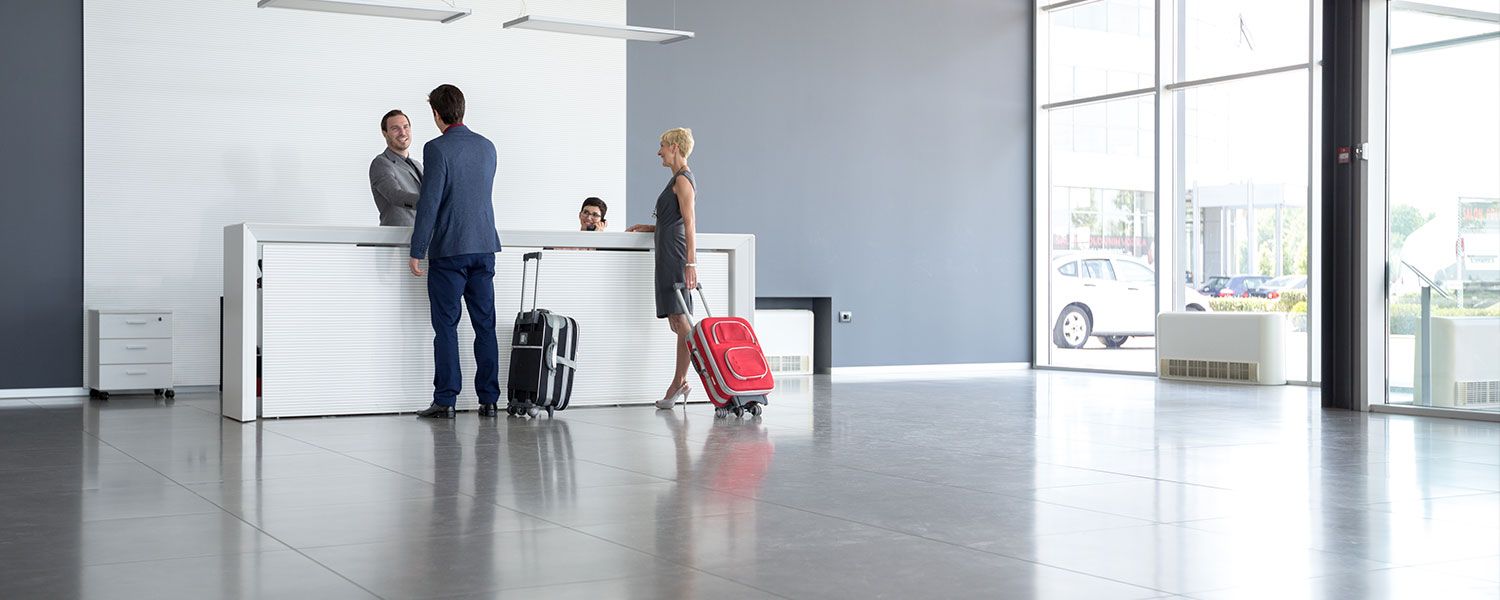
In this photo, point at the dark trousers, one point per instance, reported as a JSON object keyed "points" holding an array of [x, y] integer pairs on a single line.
{"points": [[471, 277]]}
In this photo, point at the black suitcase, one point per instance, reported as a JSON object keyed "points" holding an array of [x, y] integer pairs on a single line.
{"points": [[543, 347]]}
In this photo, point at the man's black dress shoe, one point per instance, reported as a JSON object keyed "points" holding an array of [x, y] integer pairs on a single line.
{"points": [[488, 410], [436, 411]]}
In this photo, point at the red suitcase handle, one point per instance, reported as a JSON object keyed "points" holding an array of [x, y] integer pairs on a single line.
{"points": [[682, 299]]}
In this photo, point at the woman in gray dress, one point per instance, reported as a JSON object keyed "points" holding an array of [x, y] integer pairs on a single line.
{"points": [[676, 252]]}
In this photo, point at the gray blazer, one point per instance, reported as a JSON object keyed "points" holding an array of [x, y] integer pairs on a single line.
{"points": [[396, 188]]}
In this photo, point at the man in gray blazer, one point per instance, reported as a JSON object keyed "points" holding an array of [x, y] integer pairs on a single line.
{"points": [[395, 178]]}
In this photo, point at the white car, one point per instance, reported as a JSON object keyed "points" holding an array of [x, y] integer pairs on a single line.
{"points": [[1108, 296]]}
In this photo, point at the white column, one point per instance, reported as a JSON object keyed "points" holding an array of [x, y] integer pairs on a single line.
{"points": [[240, 326]]}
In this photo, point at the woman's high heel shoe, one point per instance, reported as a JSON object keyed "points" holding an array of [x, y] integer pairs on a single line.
{"points": [[678, 395]]}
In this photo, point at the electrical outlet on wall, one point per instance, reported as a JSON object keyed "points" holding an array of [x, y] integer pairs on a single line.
{"points": [[846, 316]]}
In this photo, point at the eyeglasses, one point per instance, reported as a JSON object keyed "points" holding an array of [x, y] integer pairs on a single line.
{"points": [[589, 213]]}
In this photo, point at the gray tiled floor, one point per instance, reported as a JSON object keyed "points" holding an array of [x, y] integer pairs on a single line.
{"points": [[1024, 485]]}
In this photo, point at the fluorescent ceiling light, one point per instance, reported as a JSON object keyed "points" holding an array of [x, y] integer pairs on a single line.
{"points": [[624, 32], [400, 9]]}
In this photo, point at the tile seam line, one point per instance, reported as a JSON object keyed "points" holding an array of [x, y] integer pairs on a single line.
{"points": [[957, 545], [257, 528]]}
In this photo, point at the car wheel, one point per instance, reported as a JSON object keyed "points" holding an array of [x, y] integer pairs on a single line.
{"points": [[1194, 308], [1113, 341], [1072, 329]]}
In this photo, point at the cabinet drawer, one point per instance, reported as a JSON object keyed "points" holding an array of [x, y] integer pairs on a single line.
{"points": [[138, 351], [135, 377], [143, 325]]}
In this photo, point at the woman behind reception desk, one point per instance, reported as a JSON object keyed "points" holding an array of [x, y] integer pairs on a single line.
{"points": [[591, 216], [676, 252]]}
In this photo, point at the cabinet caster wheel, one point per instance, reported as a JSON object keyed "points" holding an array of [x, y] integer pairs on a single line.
{"points": [[103, 395], [170, 393]]}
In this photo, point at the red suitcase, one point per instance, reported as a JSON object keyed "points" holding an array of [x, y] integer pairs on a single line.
{"points": [[727, 356]]}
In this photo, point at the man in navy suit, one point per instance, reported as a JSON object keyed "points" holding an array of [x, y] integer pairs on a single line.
{"points": [[455, 232]]}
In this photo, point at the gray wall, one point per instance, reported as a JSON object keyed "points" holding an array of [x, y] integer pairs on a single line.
{"points": [[41, 200], [879, 150]]}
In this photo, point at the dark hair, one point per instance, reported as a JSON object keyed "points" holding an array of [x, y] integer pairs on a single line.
{"points": [[448, 101], [388, 116], [595, 202]]}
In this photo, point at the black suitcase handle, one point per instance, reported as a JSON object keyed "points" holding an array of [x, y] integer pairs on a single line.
{"points": [[525, 261], [682, 299]]}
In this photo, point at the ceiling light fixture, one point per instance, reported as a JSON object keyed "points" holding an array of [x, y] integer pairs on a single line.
{"points": [[400, 9], [624, 32]]}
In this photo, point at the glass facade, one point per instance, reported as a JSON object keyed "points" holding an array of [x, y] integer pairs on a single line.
{"points": [[1202, 133]]}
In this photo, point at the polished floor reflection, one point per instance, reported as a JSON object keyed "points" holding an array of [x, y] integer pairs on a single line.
{"points": [[1022, 485]]}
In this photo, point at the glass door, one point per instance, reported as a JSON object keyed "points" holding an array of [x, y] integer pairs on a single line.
{"points": [[1443, 194]]}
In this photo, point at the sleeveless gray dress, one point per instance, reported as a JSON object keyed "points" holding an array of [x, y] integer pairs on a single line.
{"points": [[671, 249]]}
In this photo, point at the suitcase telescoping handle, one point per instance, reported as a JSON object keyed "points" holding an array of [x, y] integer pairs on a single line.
{"points": [[526, 260], [682, 299]]}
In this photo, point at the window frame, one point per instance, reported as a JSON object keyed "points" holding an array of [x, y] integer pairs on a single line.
{"points": [[1166, 222]]}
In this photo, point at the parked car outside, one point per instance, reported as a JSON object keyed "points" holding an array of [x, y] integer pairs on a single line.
{"points": [[1274, 288], [1108, 296], [1230, 286]]}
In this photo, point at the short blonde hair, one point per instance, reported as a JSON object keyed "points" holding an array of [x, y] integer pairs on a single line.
{"points": [[681, 137]]}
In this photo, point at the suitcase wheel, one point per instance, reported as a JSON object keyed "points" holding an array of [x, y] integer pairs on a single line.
{"points": [[755, 408], [523, 409], [550, 411], [721, 412]]}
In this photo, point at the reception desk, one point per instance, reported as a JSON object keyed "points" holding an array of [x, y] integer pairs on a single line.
{"points": [[343, 327]]}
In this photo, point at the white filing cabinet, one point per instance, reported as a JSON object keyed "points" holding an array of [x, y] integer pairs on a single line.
{"points": [[130, 350]]}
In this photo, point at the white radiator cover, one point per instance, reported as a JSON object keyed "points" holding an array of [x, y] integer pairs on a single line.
{"points": [[786, 337], [1221, 347], [1465, 372]]}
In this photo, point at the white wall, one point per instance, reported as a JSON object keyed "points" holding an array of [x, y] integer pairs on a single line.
{"points": [[204, 113]]}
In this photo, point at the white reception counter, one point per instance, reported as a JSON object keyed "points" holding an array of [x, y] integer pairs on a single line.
{"points": [[344, 329]]}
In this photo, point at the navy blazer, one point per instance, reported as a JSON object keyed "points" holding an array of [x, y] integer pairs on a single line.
{"points": [[456, 214]]}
